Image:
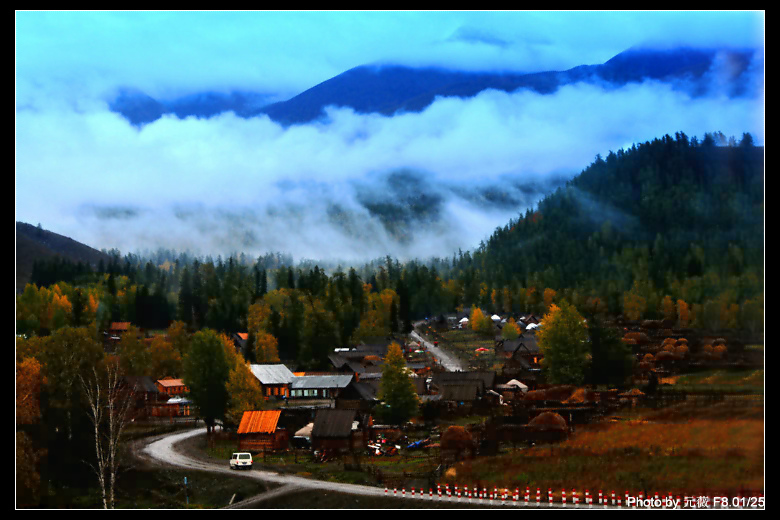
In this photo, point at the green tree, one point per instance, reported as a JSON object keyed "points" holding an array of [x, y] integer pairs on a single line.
{"points": [[563, 339], [396, 389], [206, 373], [510, 330], [611, 359], [134, 355]]}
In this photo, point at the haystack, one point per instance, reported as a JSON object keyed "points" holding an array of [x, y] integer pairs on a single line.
{"points": [[580, 395], [667, 356], [548, 421], [456, 438], [640, 337], [635, 392]]}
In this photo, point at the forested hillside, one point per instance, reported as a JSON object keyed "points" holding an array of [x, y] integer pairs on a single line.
{"points": [[674, 217]]}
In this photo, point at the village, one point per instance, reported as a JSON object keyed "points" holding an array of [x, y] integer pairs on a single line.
{"points": [[497, 403]]}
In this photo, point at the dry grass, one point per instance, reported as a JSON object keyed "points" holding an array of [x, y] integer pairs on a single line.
{"points": [[686, 453]]}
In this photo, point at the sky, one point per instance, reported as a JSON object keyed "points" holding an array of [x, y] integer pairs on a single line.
{"points": [[227, 184]]}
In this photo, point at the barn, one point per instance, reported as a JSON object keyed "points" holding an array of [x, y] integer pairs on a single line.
{"points": [[259, 431]]}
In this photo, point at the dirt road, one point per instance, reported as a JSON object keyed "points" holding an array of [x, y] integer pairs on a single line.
{"points": [[448, 361], [161, 451]]}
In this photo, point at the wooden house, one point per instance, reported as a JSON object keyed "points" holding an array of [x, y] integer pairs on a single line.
{"points": [[528, 319], [174, 407], [259, 431], [321, 386], [275, 380], [484, 380], [337, 431], [524, 346], [240, 341], [113, 334], [462, 392], [118, 328], [144, 393], [169, 387]]}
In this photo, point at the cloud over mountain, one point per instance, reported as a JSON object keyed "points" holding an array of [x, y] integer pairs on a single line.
{"points": [[350, 185]]}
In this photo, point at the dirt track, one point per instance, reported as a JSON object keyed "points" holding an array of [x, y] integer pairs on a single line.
{"points": [[161, 451]]}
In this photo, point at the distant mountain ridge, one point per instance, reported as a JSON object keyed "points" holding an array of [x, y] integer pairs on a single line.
{"points": [[34, 243], [392, 89]]}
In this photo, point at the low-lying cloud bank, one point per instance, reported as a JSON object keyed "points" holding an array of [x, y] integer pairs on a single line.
{"points": [[352, 187]]}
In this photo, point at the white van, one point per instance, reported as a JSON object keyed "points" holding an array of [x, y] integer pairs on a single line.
{"points": [[241, 460]]}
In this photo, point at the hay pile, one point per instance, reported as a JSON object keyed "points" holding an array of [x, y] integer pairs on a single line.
{"points": [[548, 421], [456, 438], [581, 395], [640, 338]]}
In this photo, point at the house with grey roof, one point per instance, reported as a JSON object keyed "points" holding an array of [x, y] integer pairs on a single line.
{"points": [[326, 386], [275, 380]]}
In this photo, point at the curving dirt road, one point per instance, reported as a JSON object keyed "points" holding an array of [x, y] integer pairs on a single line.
{"points": [[161, 451]]}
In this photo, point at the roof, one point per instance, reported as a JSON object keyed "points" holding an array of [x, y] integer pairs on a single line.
{"points": [[516, 383], [263, 421], [487, 378], [141, 384], [243, 335], [321, 381], [170, 382], [119, 325], [272, 374], [332, 423], [178, 400], [366, 391], [337, 360], [305, 431], [525, 342], [459, 392]]}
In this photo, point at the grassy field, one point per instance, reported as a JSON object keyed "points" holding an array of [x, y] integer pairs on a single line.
{"points": [[720, 380], [154, 488], [686, 449]]}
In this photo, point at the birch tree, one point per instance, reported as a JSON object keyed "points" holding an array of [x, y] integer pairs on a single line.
{"points": [[109, 404]]}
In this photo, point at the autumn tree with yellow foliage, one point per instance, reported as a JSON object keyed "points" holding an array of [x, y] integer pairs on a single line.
{"points": [[563, 339], [480, 323], [242, 386]]}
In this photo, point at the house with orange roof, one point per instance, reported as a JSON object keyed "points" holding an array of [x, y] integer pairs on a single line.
{"points": [[171, 387], [240, 341], [259, 431]]}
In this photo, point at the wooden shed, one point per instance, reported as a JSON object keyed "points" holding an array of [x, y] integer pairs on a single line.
{"points": [[259, 431], [337, 431]]}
